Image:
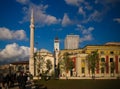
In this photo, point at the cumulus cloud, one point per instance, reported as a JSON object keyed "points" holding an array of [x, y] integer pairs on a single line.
{"points": [[14, 52], [117, 20], [40, 15], [7, 34], [86, 32], [66, 20]]}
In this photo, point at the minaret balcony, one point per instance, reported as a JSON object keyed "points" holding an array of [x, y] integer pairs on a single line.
{"points": [[32, 26]]}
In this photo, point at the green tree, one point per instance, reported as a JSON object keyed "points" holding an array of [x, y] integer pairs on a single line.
{"points": [[48, 66], [112, 66], [93, 60], [69, 64], [103, 65], [39, 64]]}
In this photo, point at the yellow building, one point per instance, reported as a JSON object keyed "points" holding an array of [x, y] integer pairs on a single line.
{"points": [[109, 57]]}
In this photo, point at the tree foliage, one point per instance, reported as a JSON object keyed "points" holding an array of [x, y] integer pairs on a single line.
{"points": [[48, 65], [69, 64], [112, 66], [40, 64], [93, 60]]}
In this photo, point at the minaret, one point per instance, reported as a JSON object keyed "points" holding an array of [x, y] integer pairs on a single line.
{"points": [[31, 60]]}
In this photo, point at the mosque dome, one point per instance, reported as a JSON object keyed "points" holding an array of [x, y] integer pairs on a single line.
{"points": [[44, 50]]}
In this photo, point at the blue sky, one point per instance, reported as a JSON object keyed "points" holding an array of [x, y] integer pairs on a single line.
{"points": [[95, 21]]}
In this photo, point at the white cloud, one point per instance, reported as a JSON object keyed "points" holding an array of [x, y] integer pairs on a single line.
{"points": [[14, 52], [74, 2], [86, 38], [50, 20], [95, 16], [40, 15], [117, 20], [81, 11], [66, 20], [7, 34], [86, 32], [23, 1]]}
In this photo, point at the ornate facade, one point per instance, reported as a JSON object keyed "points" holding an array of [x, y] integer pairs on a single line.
{"points": [[44, 58], [108, 65]]}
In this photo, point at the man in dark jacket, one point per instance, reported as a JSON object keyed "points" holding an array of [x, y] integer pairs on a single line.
{"points": [[19, 80], [22, 79]]}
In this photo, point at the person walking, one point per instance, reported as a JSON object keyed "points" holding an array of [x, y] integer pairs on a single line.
{"points": [[1, 79], [22, 79], [19, 76]]}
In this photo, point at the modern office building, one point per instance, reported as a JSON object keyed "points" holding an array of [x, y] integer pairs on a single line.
{"points": [[72, 42]]}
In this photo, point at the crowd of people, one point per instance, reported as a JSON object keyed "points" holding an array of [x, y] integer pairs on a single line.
{"points": [[8, 80]]}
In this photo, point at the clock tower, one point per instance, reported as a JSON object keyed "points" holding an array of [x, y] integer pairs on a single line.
{"points": [[56, 50]]}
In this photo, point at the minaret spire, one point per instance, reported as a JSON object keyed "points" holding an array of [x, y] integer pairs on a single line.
{"points": [[32, 17], [31, 61]]}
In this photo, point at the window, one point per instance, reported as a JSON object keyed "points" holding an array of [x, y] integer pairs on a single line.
{"points": [[102, 59], [112, 70], [111, 52], [102, 52], [92, 52], [83, 61], [83, 51], [111, 59], [102, 70], [83, 70]]}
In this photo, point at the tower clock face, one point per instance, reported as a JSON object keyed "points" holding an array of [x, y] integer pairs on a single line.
{"points": [[56, 45]]}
